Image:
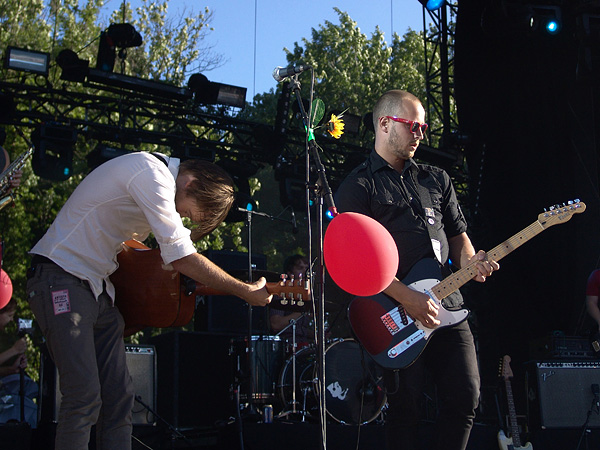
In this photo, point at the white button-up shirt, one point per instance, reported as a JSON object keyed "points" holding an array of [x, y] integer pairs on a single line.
{"points": [[125, 198]]}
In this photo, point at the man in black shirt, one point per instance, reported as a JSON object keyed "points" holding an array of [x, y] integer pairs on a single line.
{"points": [[417, 204]]}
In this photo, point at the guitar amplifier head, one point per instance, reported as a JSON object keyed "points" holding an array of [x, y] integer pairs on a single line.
{"points": [[560, 393]]}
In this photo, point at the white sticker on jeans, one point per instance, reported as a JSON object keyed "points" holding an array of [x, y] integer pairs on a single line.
{"points": [[60, 301]]}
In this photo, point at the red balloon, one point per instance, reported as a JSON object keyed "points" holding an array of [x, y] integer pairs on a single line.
{"points": [[360, 254], [6, 288]]}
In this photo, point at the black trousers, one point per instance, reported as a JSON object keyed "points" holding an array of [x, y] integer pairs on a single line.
{"points": [[450, 358]]}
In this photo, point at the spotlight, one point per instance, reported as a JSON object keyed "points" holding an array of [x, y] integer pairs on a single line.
{"points": [[432, 5], [26, 60], [552, 26], [211, 93], [122, 35], [548, 18], [53, 155], [73, 68]]}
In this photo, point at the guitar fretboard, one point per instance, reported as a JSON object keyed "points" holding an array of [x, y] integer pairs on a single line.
{"points": [[545, 220]]}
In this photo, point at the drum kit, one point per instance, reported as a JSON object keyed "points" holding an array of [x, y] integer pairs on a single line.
{"points": [[272, 376], [288, 383]]}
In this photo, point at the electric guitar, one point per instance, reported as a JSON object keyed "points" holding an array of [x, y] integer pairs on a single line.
{"points": [[392, 337], [514, 441], [149, 293]]}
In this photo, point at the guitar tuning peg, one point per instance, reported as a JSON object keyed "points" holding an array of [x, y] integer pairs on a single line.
{"points": [[577, 200]]}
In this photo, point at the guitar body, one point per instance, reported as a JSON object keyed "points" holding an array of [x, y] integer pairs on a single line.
{"points": [[388, 334], [393, 339], [148, 293]]}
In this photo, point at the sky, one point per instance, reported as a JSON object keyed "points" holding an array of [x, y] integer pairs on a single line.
{"points": [[251, 34]]}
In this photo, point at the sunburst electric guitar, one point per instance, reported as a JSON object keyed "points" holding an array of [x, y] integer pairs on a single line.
{"points": [[514, 441], [392, 337]]}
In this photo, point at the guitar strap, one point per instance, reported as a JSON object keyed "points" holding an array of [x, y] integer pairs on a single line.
{"points": [[427, 213], [160, 157]]}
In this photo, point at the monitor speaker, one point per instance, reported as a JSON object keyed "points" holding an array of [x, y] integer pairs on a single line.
{"points": [[560, 393]]}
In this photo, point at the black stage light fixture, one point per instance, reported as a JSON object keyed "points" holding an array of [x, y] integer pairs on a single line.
{"points": [[27, 60], [73, 68], [121, 35], [211, 93], [53, 155]]}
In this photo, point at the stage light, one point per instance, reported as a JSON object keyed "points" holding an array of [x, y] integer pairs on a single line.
{"points": [[73, 68], [121, 35], [547, 18], [53, 155], [432, 5], [26, 60], [552, 26], [211, 93]]}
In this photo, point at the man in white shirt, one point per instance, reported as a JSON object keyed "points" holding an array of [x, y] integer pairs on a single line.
{"points": [[72, 296]]}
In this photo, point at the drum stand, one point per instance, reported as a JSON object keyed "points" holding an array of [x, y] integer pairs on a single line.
{"points": [[252, 411], [293, 324]]}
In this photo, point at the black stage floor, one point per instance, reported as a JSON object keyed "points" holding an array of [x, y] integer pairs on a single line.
{"points": [[283, 435]]}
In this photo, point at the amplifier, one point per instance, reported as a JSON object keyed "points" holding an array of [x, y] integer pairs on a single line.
{"points": [[141, 362], [560, 393], [563, 347]]}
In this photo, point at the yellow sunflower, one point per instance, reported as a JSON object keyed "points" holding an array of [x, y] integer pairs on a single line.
{"points": [[335, 126]]}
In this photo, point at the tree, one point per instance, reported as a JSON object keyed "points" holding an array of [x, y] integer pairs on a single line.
{"points": [[172, 50], [351, 72]]}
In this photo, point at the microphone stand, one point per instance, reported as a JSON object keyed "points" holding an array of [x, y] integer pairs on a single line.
{"points": [[323, 192], [252, 411]]}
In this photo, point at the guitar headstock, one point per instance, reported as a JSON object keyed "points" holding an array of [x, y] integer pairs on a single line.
{"points": [[505, 370], [290, 294], [561, 213]]}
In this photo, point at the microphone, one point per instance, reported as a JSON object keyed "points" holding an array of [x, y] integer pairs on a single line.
{"points": [[294, 224], [280, 73]]}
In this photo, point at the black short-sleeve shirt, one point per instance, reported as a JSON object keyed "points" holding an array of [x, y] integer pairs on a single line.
{"points": [[376, 190]]}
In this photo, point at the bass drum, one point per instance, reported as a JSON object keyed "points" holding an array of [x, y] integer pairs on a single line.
{"points": [[354, 383]]}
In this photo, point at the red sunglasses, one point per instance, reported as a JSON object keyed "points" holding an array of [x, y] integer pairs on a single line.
{"points": [[412, 125]]}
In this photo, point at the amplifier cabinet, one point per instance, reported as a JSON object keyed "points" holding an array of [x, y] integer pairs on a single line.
{"points": [[141, 362], [560, 393]]}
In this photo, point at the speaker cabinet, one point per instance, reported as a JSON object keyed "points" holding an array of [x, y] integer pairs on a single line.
{"points": [[141, 362], [560, 393], [226, 313], [195, 374]]}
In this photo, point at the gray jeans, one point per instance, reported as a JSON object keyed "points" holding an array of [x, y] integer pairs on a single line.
{"points": [[85, 339]]}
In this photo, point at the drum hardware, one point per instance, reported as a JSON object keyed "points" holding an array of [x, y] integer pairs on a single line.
{"points": [[293, 324], [353, 384]]}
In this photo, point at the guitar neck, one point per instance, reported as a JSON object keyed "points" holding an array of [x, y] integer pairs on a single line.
{"points": [[462, 276], [512, 415]]}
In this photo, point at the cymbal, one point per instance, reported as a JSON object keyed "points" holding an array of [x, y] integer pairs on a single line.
{"points": [[256, 274]]}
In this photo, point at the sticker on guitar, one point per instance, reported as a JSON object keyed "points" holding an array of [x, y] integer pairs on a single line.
{"points": [[394, 339]]}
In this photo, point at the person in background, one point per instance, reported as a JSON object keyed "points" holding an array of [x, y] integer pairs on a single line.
{"points": [[13, 360], [417, 204]]}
